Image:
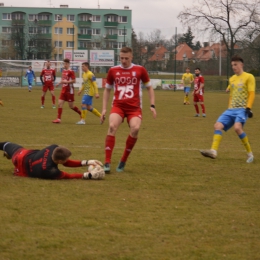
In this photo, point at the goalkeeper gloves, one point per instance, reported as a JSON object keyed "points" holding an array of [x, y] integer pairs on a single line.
{"points": [[249, 112]]}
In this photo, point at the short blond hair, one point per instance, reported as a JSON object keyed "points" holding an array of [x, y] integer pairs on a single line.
{"points": [[126, 50]]}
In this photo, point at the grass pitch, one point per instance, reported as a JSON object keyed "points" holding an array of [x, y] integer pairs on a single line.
{"points": [[170, 203]]}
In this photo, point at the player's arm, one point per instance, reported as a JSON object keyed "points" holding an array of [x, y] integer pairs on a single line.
{"points": [[106, 96], [81, 88], [94, 82], [54, 75], [191, 79], [34, 75]]}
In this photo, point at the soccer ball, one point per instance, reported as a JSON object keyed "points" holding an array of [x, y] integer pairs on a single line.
{"points": [[91, 167]]}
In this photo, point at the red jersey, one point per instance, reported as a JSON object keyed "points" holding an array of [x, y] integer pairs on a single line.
{"points": [[68, 75], [197, 82], [48, 76], [127, 84]]}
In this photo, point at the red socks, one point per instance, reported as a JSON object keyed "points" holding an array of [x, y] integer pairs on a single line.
{"points": [[59, 112], [203, 108], [76, 110], [197, 109], [109, 146], [53, 99], [130, 143], [42, 98]]}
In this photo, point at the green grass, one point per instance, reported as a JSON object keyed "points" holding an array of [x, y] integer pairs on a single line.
{"points": [[170, 203]]}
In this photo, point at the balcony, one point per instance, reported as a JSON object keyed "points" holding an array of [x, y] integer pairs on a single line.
{"points": [[18, 22], [110, 24], [44, 22], [84, 23], [43, 36], [82, 48], [112, 37], [84, 36]]}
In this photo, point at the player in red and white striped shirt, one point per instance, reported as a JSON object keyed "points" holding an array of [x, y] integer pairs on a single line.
{"points": [[126, 80]]}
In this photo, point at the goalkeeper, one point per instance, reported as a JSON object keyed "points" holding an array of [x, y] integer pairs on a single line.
{"points": [[242, 95], [43, 163], [30, 77]]}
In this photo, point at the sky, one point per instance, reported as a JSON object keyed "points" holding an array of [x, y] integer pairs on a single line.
{"points": [[147, 15]]}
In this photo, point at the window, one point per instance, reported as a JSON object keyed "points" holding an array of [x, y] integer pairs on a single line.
{"points": [[6, 42], [69, 44], [32, 30], [32, 43], [6, 29], [96, 45], [17, 16], [112, 18], [58, 43], [96, 18], [71, 17], [85, 17], [6, 17], [70, 31], [96, 31], [85, 44], [58, 30], [58, 17], [85, 31], [44, 17], [122, 19], [44, 30], [111, 32], [122, 32], [33, 17]]}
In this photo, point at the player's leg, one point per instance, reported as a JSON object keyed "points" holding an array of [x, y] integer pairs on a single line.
{"points": [[1, 103], [202, 107], [238, 127], [115, 120], [43, 96], [94, 111], [134, 121], [9, 148], [187, 95], [195, 103], [224, 122], [60, 105], [29, 86], [70, 99], [83, 113], [53, 98]]}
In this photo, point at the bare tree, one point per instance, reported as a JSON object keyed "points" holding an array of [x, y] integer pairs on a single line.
{"points": [[232, 20]]}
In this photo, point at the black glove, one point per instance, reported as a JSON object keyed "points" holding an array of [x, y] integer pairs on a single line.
{"points": [[249, 112]]}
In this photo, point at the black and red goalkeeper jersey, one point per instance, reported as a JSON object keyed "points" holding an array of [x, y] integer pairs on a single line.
{"points": [[39, 164]]}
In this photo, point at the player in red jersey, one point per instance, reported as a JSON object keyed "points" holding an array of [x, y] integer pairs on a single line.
{"points": [[198, 93], [127, 102], [47, 77], [43, 163], [67, 91]]}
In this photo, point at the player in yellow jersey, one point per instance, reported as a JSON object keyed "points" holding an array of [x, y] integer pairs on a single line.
{"points": [[242, 95], [187, 79], [89, 88]]}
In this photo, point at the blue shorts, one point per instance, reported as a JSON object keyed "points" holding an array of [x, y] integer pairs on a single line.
{"points": [[187, 90], [87, 100], [232, 116], [30, 82]]}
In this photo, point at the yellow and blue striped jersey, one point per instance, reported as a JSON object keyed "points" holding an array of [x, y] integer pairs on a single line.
{"points": [[187, 78], [89, 84], [242, 90]]}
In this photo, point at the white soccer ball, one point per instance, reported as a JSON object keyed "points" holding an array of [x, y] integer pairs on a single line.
{"points": [[91, 167]]}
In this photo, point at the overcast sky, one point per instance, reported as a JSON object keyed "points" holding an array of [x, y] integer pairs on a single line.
{"points": [[147, 15]]}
